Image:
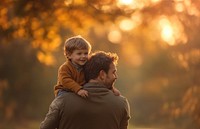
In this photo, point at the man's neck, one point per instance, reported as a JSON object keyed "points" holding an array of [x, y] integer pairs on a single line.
{"points": [[97, 80], [94, 81]]}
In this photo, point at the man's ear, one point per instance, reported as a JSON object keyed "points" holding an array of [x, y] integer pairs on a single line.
{"points": [[102, 75]]}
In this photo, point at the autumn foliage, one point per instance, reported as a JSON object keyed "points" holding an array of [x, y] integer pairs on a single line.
{"points": [[157, 42]]}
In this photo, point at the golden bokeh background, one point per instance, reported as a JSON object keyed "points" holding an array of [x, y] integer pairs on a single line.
{"points": [[157, 41]]}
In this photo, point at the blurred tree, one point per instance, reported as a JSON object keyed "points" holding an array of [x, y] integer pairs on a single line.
{"points": [[157, 41]]}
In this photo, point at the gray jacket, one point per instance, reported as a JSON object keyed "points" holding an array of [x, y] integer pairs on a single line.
{"points": [[101, 110]]}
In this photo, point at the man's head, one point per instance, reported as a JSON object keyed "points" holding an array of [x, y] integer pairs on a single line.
{"points": [[77, 49], [101, 67]]}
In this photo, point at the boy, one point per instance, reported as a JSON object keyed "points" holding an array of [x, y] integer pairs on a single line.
{"points": [[70, 73]]}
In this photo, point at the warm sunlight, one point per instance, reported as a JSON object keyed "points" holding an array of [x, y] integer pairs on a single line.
{"points": [[19, 33], [157, 42], [128, 5], [79, 2], [114, 36], [136, 18], [68, 2], [131, 54], [126, 25], [192, 10], [155, 1], [179, 7], [167, 34], [125, 2], [172, 31], [3, 20], [167, 31], [47, 59], [183, 61]]}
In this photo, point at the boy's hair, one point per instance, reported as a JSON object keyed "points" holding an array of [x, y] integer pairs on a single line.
{"points": [[99, 61], [76, 43]]}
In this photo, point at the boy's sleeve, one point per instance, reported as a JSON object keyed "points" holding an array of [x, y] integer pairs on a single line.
{"points": [[66, 80]]}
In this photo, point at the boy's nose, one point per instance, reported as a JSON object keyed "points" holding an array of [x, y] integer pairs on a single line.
{"points": [[84, 55]]}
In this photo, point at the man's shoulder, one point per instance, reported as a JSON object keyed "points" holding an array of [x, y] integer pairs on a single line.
{"points": [[68, 96], [65, 95], [121, 99], [124, 99]]}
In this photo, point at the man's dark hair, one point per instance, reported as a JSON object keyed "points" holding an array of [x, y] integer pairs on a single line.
{"points": [[99, 61]]}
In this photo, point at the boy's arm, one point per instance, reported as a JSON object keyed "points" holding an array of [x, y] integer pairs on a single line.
{"points": [[66, 80]]}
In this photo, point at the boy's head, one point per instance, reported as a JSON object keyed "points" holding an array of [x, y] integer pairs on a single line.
{"points": [[76, 43], [77, 49]]}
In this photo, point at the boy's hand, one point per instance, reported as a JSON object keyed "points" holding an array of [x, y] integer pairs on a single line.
{"points": [[83, 93], [116, 91]]}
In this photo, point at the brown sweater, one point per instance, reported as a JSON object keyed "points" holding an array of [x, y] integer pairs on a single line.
{"points": [[69, 77]]}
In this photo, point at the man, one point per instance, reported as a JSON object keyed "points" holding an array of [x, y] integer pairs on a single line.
{"points": [[101, 110]]}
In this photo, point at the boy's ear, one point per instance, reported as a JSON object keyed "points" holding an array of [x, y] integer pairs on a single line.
{"points": [[68, 55], [102, 75]]}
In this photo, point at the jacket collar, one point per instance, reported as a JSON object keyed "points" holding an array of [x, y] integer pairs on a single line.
{"points": [[95, 85], [78, 67], [97, 89]]}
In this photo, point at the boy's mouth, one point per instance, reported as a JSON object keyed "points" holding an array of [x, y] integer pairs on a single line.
{"points": [[83, 60]]}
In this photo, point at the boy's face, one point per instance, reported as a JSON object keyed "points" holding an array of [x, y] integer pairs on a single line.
{"points": [[79, 57]]}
